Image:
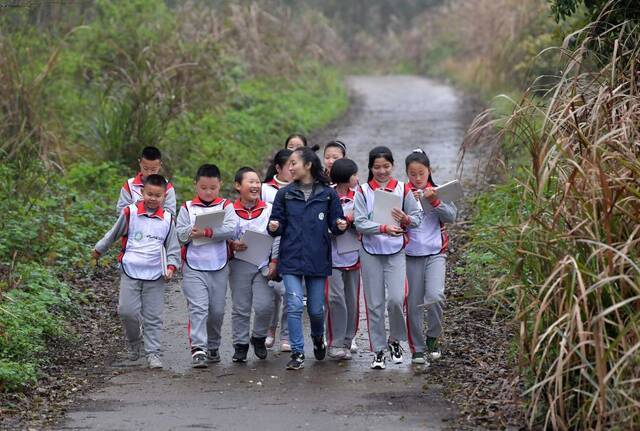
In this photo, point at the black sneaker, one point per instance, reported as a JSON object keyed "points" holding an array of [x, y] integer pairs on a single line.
{"points": [[296, 362], [259, 347], [240, 354], [379, 361], [433, 348], [213, 356], [395, 350], [198, 359], [418, 359], [319, 348]]}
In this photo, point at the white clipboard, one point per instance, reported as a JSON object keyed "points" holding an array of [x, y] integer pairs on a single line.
{"points": [[347, 242], [258, 248], [211, 220], [449, 192], [384, 202]]}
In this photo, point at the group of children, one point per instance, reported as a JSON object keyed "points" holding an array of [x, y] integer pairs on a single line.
{"points": [[401, 266]]}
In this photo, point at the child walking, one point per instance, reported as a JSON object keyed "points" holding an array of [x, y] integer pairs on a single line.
{"points": [[426, 260], [205, 272], [382, 257], [334, 150], [150, 163], [146, 229], [249, 283], [343, 286], [278, 176], [303, 214]]}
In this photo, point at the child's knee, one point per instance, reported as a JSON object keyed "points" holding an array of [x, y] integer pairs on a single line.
{"points": [[295, 303]]}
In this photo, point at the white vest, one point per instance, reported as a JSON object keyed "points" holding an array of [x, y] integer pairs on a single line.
{"points": [[426, 239], [212, 256], [257, 224], [381, 243], [142, 253], [349, 259], [269, 191]]}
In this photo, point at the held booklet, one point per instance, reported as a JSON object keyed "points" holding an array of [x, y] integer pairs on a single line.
{"points": [[258, 248], [449, 192], [211, 220], [163, 260], [384, 203]]}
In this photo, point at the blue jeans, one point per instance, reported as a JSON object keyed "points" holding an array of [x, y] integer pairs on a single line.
{"points": [[295, 306]]}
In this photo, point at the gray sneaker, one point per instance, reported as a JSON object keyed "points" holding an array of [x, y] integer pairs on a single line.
{"points": [[213, 356], [154, 361], [134, 351]]}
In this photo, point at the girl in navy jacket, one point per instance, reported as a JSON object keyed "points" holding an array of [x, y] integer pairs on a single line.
{"points": [[303, 214]]}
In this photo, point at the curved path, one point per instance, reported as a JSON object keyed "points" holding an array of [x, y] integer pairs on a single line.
{"points": [[401, 112]]}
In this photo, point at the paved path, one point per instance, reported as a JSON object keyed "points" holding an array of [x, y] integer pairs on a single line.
{"points": [[401, 112]]}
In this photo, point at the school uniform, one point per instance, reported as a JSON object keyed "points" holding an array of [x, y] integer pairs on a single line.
{"points": [[141, 295], [426, 265], [306, 215], [343, 286], [249, 286], [383, 263], [205, 271], [279, 315], [131, 192]]}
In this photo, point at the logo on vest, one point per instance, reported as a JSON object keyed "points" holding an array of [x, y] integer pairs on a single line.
{"points": [[137, 236], [321, 216]]}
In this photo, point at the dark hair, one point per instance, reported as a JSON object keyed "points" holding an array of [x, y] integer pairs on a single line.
{"points": [[209, 171], [240, 173], [339, 145], [303, 139], [342, 170], [156, 180], [151, 153], [376, 153], [419, 156], [280, 159], [317, 171]]}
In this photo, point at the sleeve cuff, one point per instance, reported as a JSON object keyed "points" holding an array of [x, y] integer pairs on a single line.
{"points": [[274, 261], [172, 267], [435, 203], [383, 228], [208, 232], [406, 221]]}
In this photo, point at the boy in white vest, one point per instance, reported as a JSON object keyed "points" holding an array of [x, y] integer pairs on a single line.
{"points": [[249, 282], [131, 192], [149, 257], [205, 269]]}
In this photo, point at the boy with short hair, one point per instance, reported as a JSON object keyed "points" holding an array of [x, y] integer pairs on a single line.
{"points": [[205, 270], [147, 231], [150, 163]]}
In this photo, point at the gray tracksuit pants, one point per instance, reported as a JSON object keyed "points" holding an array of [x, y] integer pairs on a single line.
{"points": [[141, 307], [341, 298], [205, 292], [279, 305], [249, 288], [426, 276], [382, 273]]}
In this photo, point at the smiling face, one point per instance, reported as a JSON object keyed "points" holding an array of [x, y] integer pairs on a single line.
{"points": [[249, 187], [331, 154], [208, 188], [299, 171], [381, 170], [418, 174], [294, 143], [149, 167], [153, 196]]}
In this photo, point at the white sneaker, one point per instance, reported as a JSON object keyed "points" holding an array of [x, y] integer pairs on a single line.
{"points": [[336, 352], [154, 361], [379, 361], [347, 354], [354, 346], [285, 346], [271, 339], [395, 351]]}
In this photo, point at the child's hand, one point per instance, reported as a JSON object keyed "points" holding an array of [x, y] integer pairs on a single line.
{"points": [[197, 233], [95, 255], [399, 215], [430, 194], [342, 224], [273, 272], [418, 194], [238, 245], [274, 225], [169, 274], [394, 230]]}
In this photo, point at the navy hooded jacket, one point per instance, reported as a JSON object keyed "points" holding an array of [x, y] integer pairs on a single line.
{"points": [[305, 244]]}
